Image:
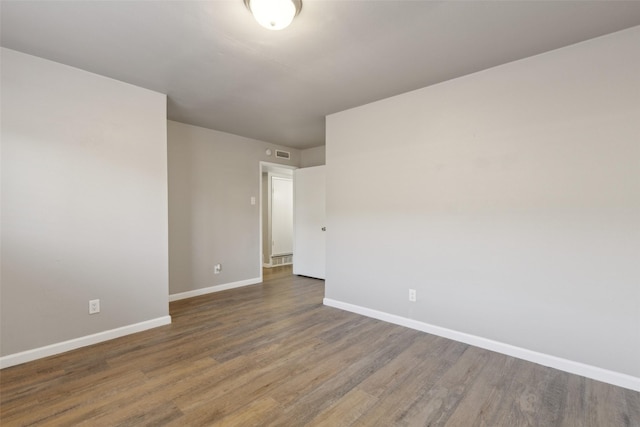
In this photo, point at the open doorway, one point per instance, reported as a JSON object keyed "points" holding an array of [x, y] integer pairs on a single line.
{"points": [[276, 222]]}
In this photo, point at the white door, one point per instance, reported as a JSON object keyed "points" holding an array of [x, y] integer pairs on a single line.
{"points": [[309, 222], [281, 216]]}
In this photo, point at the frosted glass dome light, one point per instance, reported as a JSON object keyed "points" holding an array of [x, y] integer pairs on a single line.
{"points": [[274, 14]]}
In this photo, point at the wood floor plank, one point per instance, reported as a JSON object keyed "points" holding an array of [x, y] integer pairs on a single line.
{"points": [[511, 400], [329, 361], [250, 415], [426, 386], [617, 412], [468, 396], [309, 405], [393, 375], [77, 407], [346, 410], [272, 355]]}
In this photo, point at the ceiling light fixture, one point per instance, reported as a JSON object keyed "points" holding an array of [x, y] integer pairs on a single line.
{"points": [[274, 14]]}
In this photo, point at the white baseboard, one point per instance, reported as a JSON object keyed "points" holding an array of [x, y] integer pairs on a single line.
{"points": [[211, 289], [593, 372], [61, 347]]}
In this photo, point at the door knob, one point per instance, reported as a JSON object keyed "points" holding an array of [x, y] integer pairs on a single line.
{"points": [[324, 228]]}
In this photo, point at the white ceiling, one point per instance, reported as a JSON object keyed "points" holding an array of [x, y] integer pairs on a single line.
{"points": [[221, 70]]}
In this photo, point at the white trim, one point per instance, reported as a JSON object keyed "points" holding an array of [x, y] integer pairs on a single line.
{"points": [[211, 289], [266, 265], [61, 347], [589, 371]]}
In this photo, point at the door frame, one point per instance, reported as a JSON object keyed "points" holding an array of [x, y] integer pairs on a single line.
{"points": [[265, 167]]}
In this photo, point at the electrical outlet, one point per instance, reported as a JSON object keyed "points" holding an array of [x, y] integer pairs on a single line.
{"points": [[94, 306], [412, 295], [217, 268]]}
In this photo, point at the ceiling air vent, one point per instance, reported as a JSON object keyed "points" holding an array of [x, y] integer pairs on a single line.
{"points": [[283, 154]]}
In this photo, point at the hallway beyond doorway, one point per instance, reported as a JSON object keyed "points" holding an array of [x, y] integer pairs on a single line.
{"points": [[277, 272]]}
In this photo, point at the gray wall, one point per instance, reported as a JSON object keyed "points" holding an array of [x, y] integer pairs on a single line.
{"points": [[84, 203], [509, 199], [312, 157], [212, 177]]}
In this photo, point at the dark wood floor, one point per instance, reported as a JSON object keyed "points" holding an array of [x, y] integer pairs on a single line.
{"points": [[273, 355]]}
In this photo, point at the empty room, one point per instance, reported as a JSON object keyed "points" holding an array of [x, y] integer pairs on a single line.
{"points": [[320, 213]]}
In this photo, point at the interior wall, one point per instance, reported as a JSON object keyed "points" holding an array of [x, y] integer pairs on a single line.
{"points": [[509, 199], [84, 203], [312, 157], [212, 177]]}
